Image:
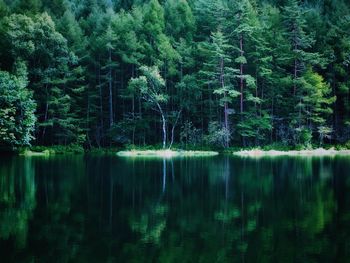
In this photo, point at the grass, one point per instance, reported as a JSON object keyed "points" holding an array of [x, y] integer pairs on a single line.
{"points": [[276, 149], [30, 153], [157, 151], [165, 153], [307, 152], [51, 150]]}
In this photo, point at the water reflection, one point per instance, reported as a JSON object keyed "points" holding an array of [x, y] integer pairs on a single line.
{"points": [[17, 201], [150, 223], [220, 209]]}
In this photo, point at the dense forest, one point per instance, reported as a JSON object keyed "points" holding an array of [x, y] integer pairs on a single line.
{"points": [[220, 73]]}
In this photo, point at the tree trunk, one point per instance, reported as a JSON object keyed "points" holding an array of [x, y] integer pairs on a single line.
{"points": [[222, 81], [164, 130], [88, 120], [295, 78], [110, 90], [173, 129], [163, 124], [241, 73], [98, 141], [133, 107], [241, 82], [272, 117], [46, 110]]}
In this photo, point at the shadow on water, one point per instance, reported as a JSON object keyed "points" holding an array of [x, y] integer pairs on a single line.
{"points": [[218, 209]]}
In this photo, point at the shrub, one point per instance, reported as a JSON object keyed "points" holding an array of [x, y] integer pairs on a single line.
{"points": [[304, 137], [278, 146], [217, 135], [190, 135], [59, 149], [347, 145]]}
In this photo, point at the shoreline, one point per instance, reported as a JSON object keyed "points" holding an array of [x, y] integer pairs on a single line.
{"points": [[166, 153], [160, 153], [271, 153]]}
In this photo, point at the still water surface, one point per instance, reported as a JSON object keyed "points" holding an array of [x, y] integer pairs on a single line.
{"points": [[214, 209]]}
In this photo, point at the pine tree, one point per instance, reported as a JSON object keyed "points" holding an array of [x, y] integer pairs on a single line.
{"points": [[337, 49], [28, 6], [219, 73], [273, 60], [301, 57], [316, 103], [158, 49], [288, 61], [4, 9], [243, 28]]}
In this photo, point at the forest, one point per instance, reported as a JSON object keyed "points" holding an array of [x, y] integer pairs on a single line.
{"points": [[192, 73]]}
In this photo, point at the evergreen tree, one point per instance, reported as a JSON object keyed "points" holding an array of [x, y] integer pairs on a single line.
{"points": [[28, 6], [219, 74], [301, 57], [272, 60], [316, 103], [91, 63]]}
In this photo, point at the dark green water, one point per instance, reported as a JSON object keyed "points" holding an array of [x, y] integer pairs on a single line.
{"points": [[216, 209]]}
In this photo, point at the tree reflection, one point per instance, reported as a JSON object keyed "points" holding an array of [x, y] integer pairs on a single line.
{"points": [[17, 200], [261, 211], [151, 223], [220, 209], [295, 215]]}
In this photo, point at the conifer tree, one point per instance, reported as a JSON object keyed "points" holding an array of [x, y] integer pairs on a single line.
{"points": [[219, 73]]}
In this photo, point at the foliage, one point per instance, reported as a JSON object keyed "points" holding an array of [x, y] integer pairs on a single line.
{"points": [[58, 149], [94, 73], [217, 135], [190, 135], [17, 109]]}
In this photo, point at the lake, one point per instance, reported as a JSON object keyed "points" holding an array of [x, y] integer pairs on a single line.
{"points": [[212, 209]]}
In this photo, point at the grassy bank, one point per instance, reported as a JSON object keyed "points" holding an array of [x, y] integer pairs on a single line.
{"points": [[51, 150], [177, 151], [271, 153], [59, 150], [165, 153]]}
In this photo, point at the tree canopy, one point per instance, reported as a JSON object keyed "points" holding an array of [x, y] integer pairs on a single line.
{"points": [[230, 73]]}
